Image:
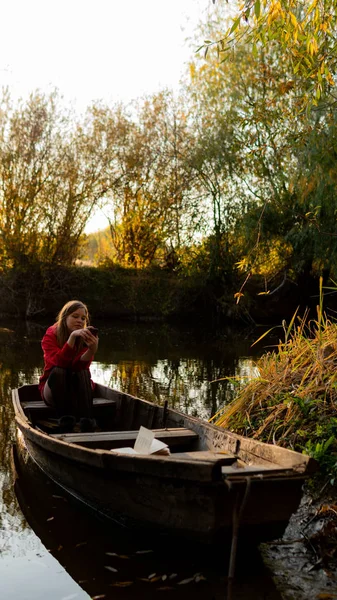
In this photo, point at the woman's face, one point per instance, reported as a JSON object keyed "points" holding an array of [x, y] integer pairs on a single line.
{"points": [[76, 320]]}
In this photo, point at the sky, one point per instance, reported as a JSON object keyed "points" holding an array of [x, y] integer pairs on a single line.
{"points": [[111, 50], [97, 49]]}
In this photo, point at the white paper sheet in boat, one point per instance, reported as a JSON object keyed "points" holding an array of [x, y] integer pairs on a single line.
{"points": [[145, 443]]}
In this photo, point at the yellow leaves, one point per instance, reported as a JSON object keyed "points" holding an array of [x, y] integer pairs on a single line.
{"points": [[242, 264], [293, 20], [312, 6], [312, 46], [327, 508], [275, 13], [237, 296], [301, 28], [285, 87], [329, 78], [192, 70], [324, 26]]}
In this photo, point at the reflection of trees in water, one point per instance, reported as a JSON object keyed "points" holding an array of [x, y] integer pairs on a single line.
{"points": [[17, 366], [194, 386], [8, 504], [152, 361], [174, 364]]}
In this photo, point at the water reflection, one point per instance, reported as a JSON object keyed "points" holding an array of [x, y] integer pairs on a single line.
{"points": [[184, 367], [155, 362], [115, 562]]}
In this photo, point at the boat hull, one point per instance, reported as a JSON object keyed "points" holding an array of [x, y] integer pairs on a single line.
{"points": [[196, 494], [203, 511]]}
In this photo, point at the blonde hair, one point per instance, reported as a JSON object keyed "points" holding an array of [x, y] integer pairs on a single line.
{"points": [[62, 331]]}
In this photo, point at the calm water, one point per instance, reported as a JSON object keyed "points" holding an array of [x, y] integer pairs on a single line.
{"points": [[48, 546]]}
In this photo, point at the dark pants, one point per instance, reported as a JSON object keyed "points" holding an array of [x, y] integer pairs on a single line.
{"points": [[72, 392]]}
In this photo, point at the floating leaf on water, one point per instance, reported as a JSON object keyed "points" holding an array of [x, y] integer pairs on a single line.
{"points": [[199, 577], [111, 568], [98, 597], [173, 575], [121, 583], [111, 553], [152, 575], [56, 496], [327, 507], [51, 519], [154, 579], [184, 581], [164, 588], [80, 544], [164, 577], [143, 551]]}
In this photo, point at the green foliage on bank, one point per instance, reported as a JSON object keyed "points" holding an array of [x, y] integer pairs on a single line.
{"points": [[110, 292], [293, 400]]}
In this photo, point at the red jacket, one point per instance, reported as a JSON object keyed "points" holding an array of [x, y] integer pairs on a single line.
{"points": [[65, 357]]}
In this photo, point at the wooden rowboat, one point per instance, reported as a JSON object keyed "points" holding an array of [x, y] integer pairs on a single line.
{"points": [[212, 482]]}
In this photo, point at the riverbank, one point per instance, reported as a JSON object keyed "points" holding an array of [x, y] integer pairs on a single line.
{"points": [[303, 563], [150, 294], [291, 401]]}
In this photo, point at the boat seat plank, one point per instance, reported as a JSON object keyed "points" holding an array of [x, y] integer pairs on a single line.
{"points": [[220, 458], [39, 404], [172, 437], [250, 470]]}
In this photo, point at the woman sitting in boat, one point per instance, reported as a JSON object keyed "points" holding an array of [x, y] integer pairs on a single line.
{"points": [[69, 347]]}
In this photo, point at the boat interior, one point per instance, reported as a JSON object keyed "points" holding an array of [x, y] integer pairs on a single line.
{"points": [[119, 417]]}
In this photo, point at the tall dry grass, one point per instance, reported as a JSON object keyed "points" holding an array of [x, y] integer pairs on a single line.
{"points": [[293, 401]]}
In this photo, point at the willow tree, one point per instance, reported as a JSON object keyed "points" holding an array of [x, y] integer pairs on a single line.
{"points": [[254, 141], [50, 178], [243, 153], [149, 181], [304, 32]]}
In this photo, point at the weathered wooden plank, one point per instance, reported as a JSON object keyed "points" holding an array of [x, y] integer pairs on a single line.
{"points": [[170, 436], [145, 416], [39, 404], [250, 450], [248, 470], [217, 457]]}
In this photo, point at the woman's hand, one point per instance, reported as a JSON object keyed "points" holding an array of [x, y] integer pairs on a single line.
{"points": [[90, 340]]}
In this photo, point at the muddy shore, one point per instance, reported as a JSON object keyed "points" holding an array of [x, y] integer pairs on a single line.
{"points": [[304, 562]]}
